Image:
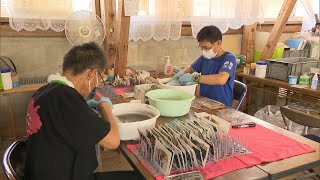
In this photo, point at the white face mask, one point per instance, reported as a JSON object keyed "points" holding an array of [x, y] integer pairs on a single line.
{"points": [[209, 54], [89, 81]]}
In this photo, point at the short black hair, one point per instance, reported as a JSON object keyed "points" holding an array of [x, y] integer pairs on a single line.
{"points": [[209, 33], [84, 56]]}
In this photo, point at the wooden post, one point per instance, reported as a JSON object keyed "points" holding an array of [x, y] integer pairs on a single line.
{"points": [[97, 7], [247, 46], [123, 39], [110, 43], [277, 29]]}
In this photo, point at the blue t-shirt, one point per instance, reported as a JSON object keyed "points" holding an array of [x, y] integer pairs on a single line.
{"points": [[224, 63]]}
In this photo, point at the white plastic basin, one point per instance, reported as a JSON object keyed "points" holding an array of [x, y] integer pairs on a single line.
{"points": [[129, 130]]}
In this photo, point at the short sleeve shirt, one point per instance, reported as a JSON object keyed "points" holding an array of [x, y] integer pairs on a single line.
{"points": [[62, 132], [224, 63]]}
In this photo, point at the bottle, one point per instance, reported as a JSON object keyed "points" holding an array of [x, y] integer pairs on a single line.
{"points": [[261, 69], [314, 83], [253, 68], [1, 85], [15, 81], [167, 67], [6, 78]]}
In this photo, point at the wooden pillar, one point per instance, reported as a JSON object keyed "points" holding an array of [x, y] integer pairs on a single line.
{"points": [[278, 27], [110, 43], [123, 39], [247, 46], [97, 7]]}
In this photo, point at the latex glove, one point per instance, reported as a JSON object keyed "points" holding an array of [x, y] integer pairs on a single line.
{"points": [[186, 79], [94, 104], [178, 75], [107, 100]]}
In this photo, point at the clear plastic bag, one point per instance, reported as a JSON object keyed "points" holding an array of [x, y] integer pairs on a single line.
{"points": [[272, 115]]}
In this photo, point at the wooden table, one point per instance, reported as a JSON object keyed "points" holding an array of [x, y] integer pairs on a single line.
{"points": [[8, 93], [289, 166], [272, 170], [240, 174], [279, 88]]}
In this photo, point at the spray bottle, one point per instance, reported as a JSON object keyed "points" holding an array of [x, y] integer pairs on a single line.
{"points": [[167, 67], [314, 83]]}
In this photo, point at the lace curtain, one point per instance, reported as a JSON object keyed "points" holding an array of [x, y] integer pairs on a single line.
{"points": [[225, 14], [162, 19], [43, 14], [157, 19]]}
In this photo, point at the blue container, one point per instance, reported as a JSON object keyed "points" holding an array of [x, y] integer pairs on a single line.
{"points": [[293, 80]]}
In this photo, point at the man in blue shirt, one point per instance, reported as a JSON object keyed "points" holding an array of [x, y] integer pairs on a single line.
{"points": [[217, 68]]}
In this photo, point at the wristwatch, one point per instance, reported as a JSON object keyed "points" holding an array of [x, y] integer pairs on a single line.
{"points": [[196, 78]]}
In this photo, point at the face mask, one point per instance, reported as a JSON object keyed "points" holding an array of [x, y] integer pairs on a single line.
{"points": [[209, 54], [92, 92]]}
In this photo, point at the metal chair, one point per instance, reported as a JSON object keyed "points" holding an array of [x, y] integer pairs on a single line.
{"points": [[305, 120], [301, 118], [13, 162], [239, 92]]}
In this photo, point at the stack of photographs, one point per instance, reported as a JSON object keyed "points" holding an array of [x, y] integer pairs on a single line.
{"points": [[206, 103], [184, 146]]}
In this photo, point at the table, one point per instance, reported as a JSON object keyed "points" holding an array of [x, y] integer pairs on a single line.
{"points": [[20, 89], [241, 174], [279, 88], [286, 167], [273, 170]]}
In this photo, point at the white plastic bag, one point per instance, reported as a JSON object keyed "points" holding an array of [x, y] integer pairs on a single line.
{"points": [[272, 115]]}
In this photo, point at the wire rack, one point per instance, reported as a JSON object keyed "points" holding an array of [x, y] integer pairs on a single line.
{"points": [[33, 80]]}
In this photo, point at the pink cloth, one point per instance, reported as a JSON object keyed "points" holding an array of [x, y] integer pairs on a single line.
{"points": [[211, 170], [266, 146]]}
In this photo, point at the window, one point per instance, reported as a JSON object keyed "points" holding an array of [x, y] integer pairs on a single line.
{"points": [[271, 9], [49, 8], [300, 10], [42, 14]]}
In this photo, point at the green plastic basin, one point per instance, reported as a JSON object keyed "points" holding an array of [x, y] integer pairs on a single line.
{"points": [[170, 102]]}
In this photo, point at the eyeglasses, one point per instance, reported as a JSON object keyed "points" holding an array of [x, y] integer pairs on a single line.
{"points": [[102, 82], [205, 48]]}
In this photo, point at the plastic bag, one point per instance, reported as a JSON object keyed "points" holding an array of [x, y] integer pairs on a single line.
{"points": [[272, 115]]}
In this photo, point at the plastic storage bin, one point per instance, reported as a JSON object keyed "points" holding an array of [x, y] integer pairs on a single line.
{"points": [[295, 53], [283, 68], [277, 53]]}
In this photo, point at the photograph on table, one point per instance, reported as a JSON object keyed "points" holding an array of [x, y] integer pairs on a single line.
{"points": [[203, 146], [162, 157]]}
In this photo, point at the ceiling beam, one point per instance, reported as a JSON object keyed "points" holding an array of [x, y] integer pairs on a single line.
{"points": [[278, 28]]}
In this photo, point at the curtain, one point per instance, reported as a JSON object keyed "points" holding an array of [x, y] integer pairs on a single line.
{"points": [[43, 14], [225, 14], [162, 19], [157, 19], [309, 20]]}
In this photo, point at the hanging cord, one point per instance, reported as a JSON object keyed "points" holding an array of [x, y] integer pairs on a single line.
{"points": [[12, 68]]}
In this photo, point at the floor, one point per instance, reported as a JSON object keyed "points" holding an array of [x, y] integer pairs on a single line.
{"points": [[112, 160]]}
